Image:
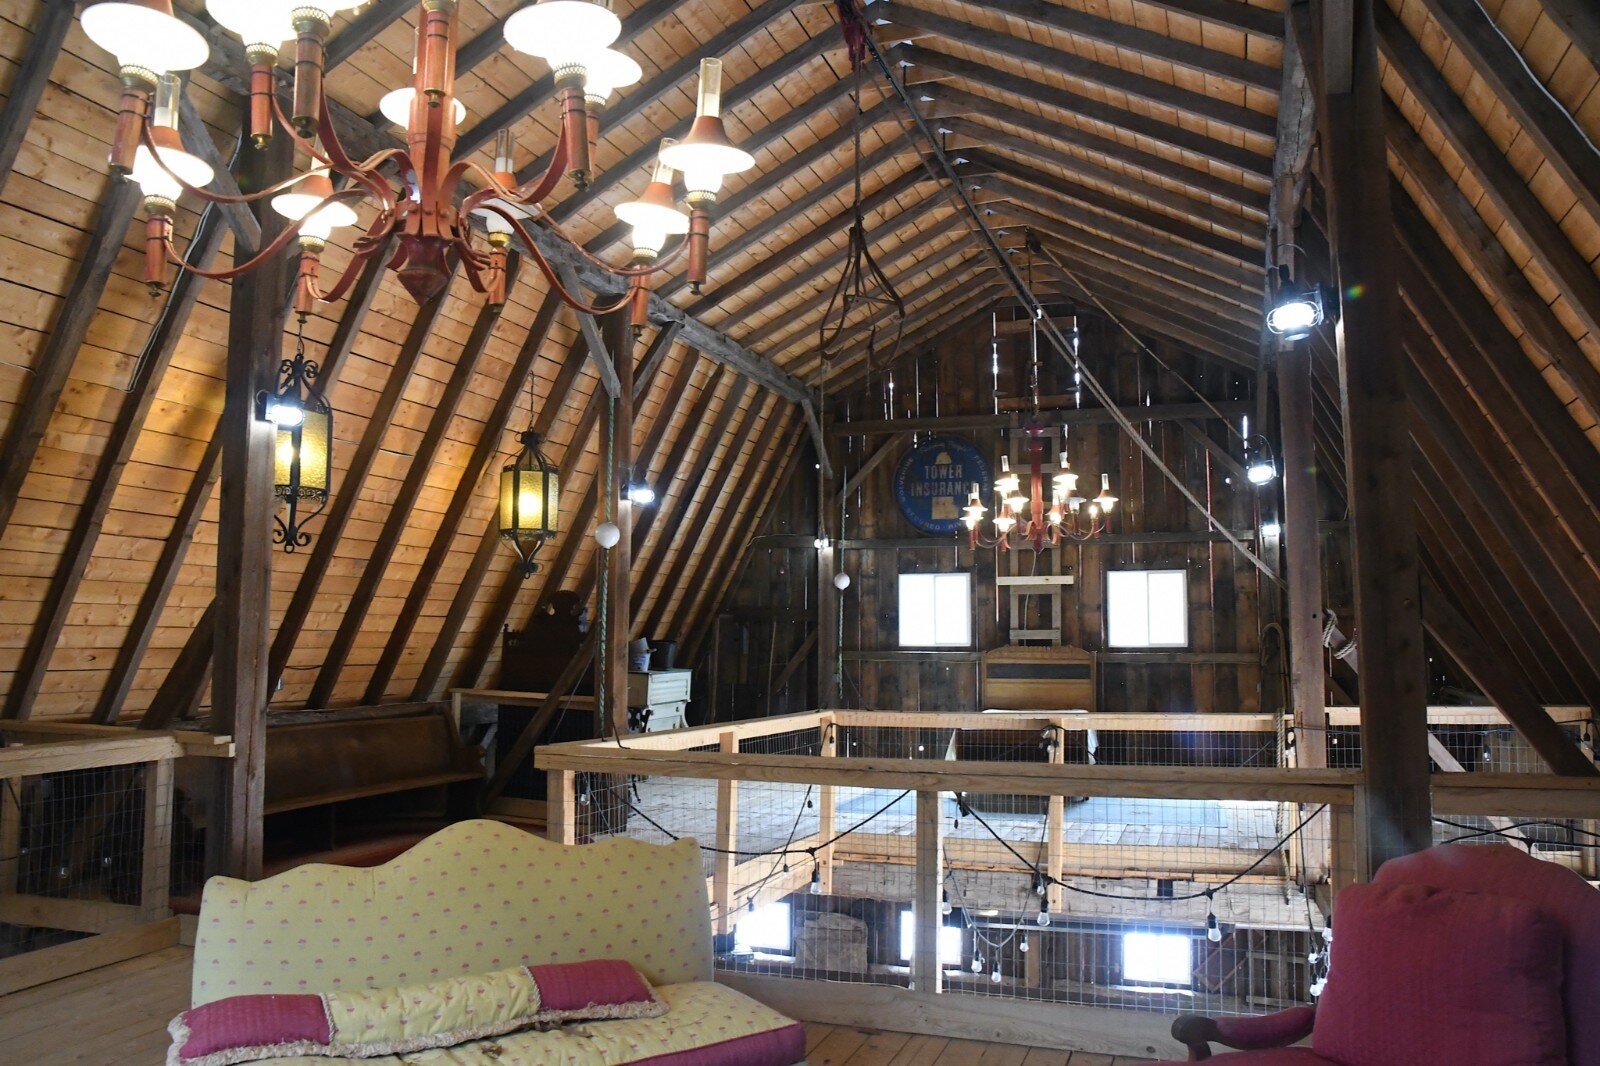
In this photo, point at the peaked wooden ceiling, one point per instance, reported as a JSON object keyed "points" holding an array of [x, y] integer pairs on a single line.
{"points": [[1138, 139]]}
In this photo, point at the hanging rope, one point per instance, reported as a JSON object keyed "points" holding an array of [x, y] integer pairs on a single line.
{"points": [[862, 283]]}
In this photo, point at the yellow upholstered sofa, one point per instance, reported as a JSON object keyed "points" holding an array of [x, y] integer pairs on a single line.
{"points": [[479, 897]]}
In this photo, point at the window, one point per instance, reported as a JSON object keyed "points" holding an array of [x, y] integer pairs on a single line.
{"points": [[949, 940], [1147, 608], [1158, 959], [935, 610], [764, 929]]}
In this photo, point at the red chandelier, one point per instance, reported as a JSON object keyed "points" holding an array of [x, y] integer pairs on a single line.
{"points": [[1069, 517], [430, 212]]}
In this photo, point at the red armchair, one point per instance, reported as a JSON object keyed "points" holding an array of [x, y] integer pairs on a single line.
{"points": [[1460, 954]]}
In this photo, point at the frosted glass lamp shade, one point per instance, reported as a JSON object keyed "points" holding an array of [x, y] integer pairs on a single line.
{"points": [[396, 107], [252, 21], [145, 34], [562, 32]]}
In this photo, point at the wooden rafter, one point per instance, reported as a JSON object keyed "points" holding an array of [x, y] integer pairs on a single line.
{"points": [[405, 497], [28, 84], [490, 443], [1580, 21]]}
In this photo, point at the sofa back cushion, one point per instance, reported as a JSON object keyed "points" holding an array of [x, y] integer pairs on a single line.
{"points": [[1422, 974], [476, 897], [1507, 870]]}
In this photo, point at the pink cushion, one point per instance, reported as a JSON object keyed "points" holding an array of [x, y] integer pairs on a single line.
{"points": [[1507, 870], [1278, 1056], [571, 986], [255, 1021], [1428, 975], [775, 1047]]}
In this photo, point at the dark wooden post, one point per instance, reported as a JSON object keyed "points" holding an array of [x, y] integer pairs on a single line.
{"points": [[1394, 724], [244, 529], [1302, 549], [827, 592], [617, 426]]}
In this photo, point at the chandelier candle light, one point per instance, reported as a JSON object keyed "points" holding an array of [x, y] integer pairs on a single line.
{"points": [[1021, 521], [431, 209]]}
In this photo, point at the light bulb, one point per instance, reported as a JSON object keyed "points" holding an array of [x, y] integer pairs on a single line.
{"points": [[146, 37], [977, 964], [1271, 529], [1105, 501], [702, 184], [648, 239], [1022, 945], [1213, 933], [1007, 484], [256, 24], [1261, 470], [1044, 913], [607, 71], [995, 977], [642, 495], [944, 903], [308, 200], [607, 535], [841, 581], [156, 183], [1317, 987], [495, 222], [816, 880], [285, 412]]}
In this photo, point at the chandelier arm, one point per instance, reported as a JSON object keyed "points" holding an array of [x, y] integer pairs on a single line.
{"points": [[656, 266], [571, 299], [347, 279], [278, 244], [336, 159]]}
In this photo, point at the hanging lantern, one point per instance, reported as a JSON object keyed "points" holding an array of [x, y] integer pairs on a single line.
{"points": [[530, 494], [303, 452]]}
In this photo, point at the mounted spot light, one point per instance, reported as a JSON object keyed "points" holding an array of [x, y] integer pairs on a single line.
{"points": [[1296, 309], [1261, 466], [641, 495]]}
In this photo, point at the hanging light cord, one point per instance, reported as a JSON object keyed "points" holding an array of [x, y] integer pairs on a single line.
{"points": [[1035, 307]]}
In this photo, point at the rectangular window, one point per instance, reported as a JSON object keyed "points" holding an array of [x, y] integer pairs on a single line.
{"points": [[949, 940], [1158, 959], [935, 610], [1147, 608], [764, 929]]}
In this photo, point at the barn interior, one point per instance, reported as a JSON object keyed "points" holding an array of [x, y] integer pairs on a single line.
{"points": [[1046, 495]]}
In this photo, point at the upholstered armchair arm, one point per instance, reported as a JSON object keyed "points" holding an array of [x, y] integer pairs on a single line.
{"points": [[1198, 1032]]}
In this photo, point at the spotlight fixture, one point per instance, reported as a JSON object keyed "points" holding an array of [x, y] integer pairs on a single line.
{"points": [[1261, 466], [1296, 309], [1271, 529], [641, 495]]}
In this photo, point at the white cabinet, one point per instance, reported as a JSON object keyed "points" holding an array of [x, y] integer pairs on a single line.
{"points": [[665, 693]]}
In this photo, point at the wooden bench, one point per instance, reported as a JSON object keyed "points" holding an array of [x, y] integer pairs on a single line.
{"points": [[317, 763]]}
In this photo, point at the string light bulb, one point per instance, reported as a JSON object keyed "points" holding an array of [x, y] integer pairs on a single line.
{"points": [[1044, 911], [816, 879]]}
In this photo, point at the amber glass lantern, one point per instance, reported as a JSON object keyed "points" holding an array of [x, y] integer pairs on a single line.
{"points": [[303, 451], [530, 496]]}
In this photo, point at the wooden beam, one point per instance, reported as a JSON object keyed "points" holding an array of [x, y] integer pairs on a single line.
{"points": [[523, 746], [942, 100], [1117, 80], [1580, 21], [348, 491], [241, 690], [78, 306], [594, 344], [616, 458], [1169, 133], [1548, 244], [148, 372], [1562, 143], [1303, 555], [398, 518], [1072, 416], [1376, 411], [1485, 254], [50, 28], [488, 445], [1230, 14], [364, 27], [1130, 38], [1460, 640], [181, 689]]}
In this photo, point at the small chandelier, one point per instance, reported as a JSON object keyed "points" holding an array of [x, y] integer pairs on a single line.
{"points": [[1021, 520], [429, 211], [303, 450], [530, 497]]}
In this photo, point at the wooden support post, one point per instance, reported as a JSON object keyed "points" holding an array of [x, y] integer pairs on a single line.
{"points": [[1378, 451], [826, 803], [10, 833], [616, 427], [723, 904], [928, 898], [244, 529], [1054, 824], [1303, 552], [561, 807], [829, 499], [155, 874]]}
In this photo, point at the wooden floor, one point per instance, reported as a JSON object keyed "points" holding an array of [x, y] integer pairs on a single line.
{"points": [[119, 1015]]}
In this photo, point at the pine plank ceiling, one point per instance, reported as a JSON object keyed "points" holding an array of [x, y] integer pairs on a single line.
{"points": [[1136, 138]]}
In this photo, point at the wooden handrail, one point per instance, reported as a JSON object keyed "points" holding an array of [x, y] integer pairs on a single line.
{"points": [[87, 754]]}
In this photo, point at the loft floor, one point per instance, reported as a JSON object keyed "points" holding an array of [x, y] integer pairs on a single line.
{"points": [[119, 1014]]}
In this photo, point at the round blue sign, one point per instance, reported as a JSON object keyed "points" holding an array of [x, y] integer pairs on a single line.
{"points": [[933, 481]]}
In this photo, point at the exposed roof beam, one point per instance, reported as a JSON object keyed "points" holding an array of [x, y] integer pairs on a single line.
{"points": [[1232, 14], [1580, 21], [28, 84], [1131, 38], [1229, 155], [1072, 65], [1562, 143], [922, 324], [947, 100], [361, 29]]}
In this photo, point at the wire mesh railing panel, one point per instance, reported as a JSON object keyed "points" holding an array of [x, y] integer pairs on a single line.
{"points": [[82, 852], [1458, 746]]}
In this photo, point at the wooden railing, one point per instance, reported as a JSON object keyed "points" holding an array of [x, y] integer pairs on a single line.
{"points": [[138, 764], [730, 757]]}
